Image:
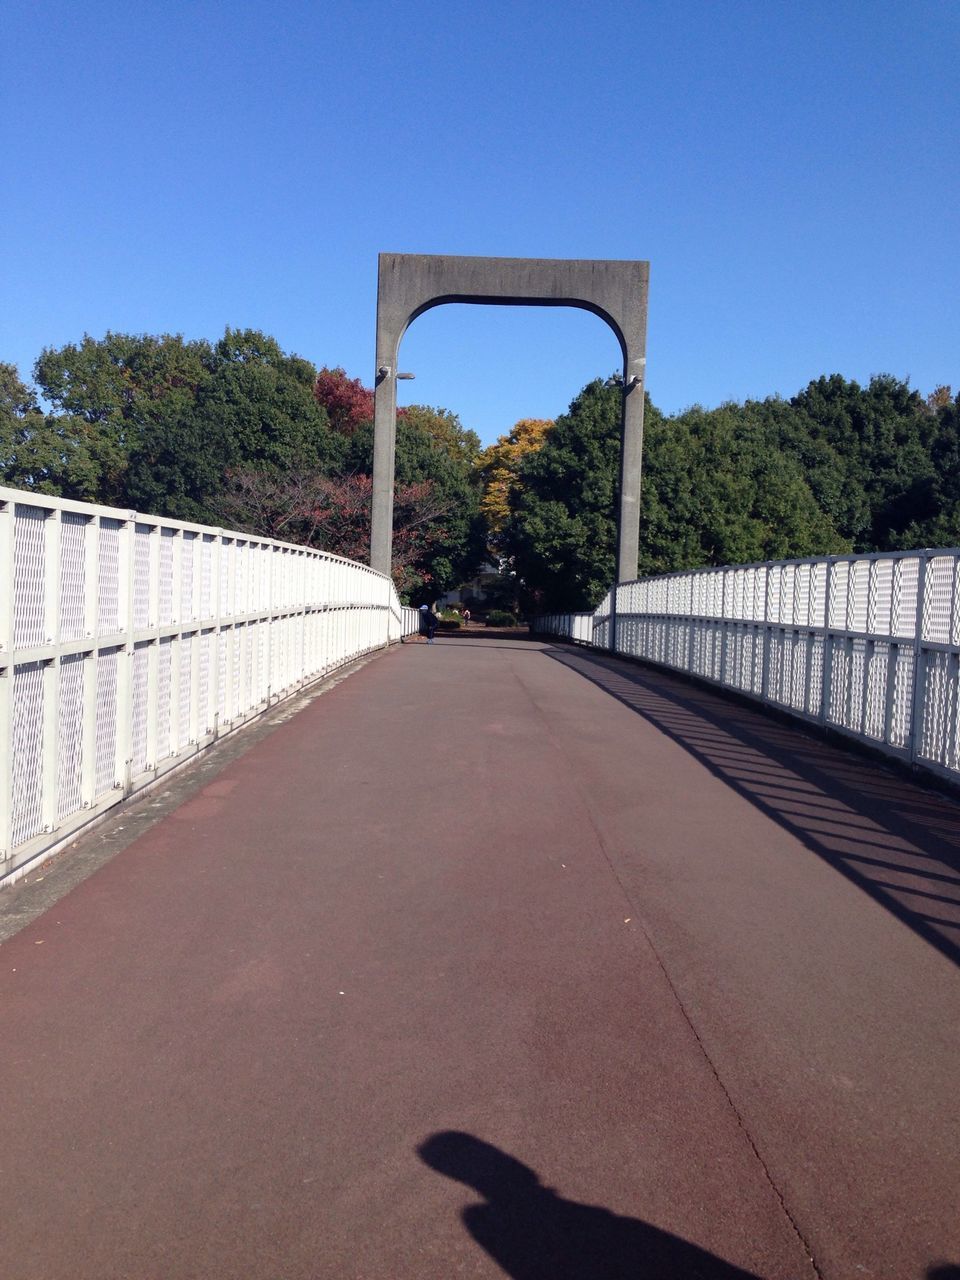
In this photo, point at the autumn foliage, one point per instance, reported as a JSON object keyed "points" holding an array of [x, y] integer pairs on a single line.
{"points": [[499, 467], [333, 512], [348, 403]]}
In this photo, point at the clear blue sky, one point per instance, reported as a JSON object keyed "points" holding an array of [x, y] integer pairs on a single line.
{"points": [[790, 170]]}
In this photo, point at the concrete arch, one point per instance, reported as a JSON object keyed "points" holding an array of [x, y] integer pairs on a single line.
{"points": [[410, 284]]}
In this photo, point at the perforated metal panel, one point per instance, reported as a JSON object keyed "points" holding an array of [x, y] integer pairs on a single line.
{"points": [[108, 583], [142, 542], [185, 700], [207, 552], [237, 662], [167, 538], [875, 700], [70, 735], [241, 558], [938, 731], [141, 682], [204, 708], [164, 698], [107, 664], [225, 640], [815, 688], [29, 565], [188, 545], [73, 531], [226, 577], [27, 781]]}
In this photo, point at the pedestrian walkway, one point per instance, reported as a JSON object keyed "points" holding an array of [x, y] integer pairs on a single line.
{"points": [[498, 959]]}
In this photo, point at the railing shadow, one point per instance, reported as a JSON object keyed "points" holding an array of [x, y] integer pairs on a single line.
{"points": [[534, 1234], [897, 841]]}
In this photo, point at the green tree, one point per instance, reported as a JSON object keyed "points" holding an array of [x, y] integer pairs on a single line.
{"points": [[254, 410], [878, 441], [114, 388], [747, 500], [456, 545], [717, 489], [499, 466], [935, 500], [445, 429], [561, 534], [43, 452]]}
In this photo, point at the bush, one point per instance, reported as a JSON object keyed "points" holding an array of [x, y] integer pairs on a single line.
{"points": [[500, 618], [449, 624]]}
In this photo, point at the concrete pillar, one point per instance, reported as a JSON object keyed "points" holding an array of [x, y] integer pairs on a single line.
{"points": [[631, 457], [384, 452], [410, 284]]}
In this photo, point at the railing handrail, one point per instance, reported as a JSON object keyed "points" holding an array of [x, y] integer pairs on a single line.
{"points": [[130, 641], [844, 557], [865, 643], [49, 502]]}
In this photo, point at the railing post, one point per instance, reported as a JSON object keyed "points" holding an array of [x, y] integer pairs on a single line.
{"points": [[126, 623], [88, 748], [919, 668], [827, 680], [7, 614], [724, 624], [175, 643], [213, 657], [49, 789]]}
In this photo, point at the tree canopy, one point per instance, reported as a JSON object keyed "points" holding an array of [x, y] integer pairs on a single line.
{"points": [[499, 467], [242, 433], [839, 467]]}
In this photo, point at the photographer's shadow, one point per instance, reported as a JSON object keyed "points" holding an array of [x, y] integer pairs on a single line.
{"points": [[534, 1234]]}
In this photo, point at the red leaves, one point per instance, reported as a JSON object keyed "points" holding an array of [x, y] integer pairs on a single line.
{"points": [[347, 401], [341, 520]]}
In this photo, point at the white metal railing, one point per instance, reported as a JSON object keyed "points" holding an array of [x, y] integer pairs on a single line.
{"points": [[130, 642], [868, 645]]}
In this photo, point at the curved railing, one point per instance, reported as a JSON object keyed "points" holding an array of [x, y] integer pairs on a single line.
{"points": [[130, 642], [868, 645]]}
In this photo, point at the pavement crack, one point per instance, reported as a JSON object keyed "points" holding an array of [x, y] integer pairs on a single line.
{"points": [[557, 742]]}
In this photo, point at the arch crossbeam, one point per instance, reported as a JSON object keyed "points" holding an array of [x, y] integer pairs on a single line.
{"points": [[410, 284]]}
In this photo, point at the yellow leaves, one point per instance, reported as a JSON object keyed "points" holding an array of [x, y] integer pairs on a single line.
{"points": [[500, 464]]}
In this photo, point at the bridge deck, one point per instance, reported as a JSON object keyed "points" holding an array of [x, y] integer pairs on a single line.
{"points": [[489, 912]]}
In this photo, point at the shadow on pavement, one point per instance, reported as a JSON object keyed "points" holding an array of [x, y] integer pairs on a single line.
{"points": [[504, 642], [520, 634], [897, 841], [534, 1234]]}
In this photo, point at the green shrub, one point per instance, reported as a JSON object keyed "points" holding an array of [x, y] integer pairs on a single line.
{"points": [[500, 618]]}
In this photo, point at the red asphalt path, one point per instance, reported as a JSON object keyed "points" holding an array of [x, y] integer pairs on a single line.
{"points": [[489, 912]]}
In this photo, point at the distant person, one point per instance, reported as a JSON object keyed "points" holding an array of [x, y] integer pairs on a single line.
{"points": [[466, 617], [428, 623]]}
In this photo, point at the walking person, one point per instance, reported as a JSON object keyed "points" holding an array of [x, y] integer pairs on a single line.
{"points": [[466, 617]]}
